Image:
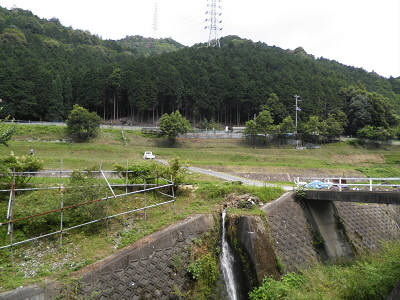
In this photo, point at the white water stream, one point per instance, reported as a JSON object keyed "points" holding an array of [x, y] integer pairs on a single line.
{"points": [[227, 263]]}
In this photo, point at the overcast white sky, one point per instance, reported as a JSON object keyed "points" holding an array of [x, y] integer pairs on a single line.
{"points": [[359, 33]]}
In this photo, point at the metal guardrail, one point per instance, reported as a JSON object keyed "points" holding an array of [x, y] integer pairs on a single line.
{"points": [[342, 183]]}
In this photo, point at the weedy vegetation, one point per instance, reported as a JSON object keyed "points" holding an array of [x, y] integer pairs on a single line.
{"points": [[58, 256]]}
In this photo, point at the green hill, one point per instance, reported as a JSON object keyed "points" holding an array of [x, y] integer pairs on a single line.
{"points": [[150, 46], [46, 68]]}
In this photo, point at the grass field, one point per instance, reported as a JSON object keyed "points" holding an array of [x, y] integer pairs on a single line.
{"points": [[225, 155]]}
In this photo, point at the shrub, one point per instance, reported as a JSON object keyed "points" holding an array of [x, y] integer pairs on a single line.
{"points": [[175, 171], [205, 268], [277, 289], [83, 188], [19, 164], [82, 124], [137, 173]]}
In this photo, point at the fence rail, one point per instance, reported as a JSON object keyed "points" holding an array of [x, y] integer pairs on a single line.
{"points": [[144, 188], [341, 183]]}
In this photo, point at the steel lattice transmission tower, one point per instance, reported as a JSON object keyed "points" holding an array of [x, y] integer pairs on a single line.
{"points": [[155, 20], [214, 13]]}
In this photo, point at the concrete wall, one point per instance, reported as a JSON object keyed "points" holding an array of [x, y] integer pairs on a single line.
{"points": [[291, 234], [354, 196], [143, 270], [254, 238], [345, 228], [329, 236]]}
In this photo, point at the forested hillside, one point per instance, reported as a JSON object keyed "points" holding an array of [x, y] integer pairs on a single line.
{"points": [[46, 68], [147, 46]]}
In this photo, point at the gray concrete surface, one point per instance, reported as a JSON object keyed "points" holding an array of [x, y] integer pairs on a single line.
{"points": [[150, 268], [354, 196]]}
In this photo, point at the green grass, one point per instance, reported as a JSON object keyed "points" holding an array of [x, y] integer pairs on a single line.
{"points": [[370, 277], [207, 196], [120, 232], [227, 155]]}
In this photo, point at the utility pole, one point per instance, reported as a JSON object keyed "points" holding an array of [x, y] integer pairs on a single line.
{"points": [[297, 108], [214, 12]]}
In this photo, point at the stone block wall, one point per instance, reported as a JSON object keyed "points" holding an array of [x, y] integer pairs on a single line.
{"points": [[365, 227], [148, 269], [291, 234]]}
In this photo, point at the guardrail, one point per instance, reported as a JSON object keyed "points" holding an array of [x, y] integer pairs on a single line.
{"points": [[346, 183]]}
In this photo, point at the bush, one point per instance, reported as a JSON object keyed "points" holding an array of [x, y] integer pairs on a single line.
{"points": [[375, 133], [205, 268], [19, 164], [372, 277], [137, 173], [174, 171], [83, 187], [35, 203], [214, 191], [277, 289], [82, 124]]}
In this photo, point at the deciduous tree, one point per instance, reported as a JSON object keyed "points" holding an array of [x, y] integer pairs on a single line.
{"points": [[251, 130], [82, 124], [174, 124]]}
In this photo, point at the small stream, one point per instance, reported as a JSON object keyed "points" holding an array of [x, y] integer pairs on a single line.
{"points": [[227, 261]]}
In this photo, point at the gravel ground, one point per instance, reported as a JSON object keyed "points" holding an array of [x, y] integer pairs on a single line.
{"points": [[32, 261]]}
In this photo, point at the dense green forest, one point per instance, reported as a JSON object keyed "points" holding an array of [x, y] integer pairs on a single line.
{"points": [[46, 68]]}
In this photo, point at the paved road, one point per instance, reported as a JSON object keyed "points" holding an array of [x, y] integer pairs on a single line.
{"points": [[229, 177]]}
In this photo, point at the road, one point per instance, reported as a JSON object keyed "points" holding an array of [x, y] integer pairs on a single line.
{"points": [[229, 177]]}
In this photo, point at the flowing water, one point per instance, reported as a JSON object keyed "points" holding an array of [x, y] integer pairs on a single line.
{"points": [[227, 261]]}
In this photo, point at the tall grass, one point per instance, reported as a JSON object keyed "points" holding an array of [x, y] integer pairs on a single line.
{"points": [[371, 277]]}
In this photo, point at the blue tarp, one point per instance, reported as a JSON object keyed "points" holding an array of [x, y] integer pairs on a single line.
{"points": [[318, 184]]}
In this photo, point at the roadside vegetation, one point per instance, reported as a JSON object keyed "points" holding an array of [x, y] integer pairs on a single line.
{"points": [[112, 149], [370, 277]]}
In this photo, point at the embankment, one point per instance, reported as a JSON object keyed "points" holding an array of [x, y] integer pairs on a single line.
{"points": [[292, 235], [148, 269], [297, 234]]}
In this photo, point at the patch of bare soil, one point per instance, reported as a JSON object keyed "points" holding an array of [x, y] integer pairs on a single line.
{"points": [[359, 159], [291, 175]]}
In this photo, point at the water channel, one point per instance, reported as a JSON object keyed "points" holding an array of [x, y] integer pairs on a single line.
{"points": [[227, 263]]}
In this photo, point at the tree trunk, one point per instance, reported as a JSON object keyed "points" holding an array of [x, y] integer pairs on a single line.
{"points": [[114, 109]]}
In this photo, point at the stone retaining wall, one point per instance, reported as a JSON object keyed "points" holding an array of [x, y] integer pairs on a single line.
{"points": [[148, 269], [290, 233], [153, 267], [365, 227]]}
